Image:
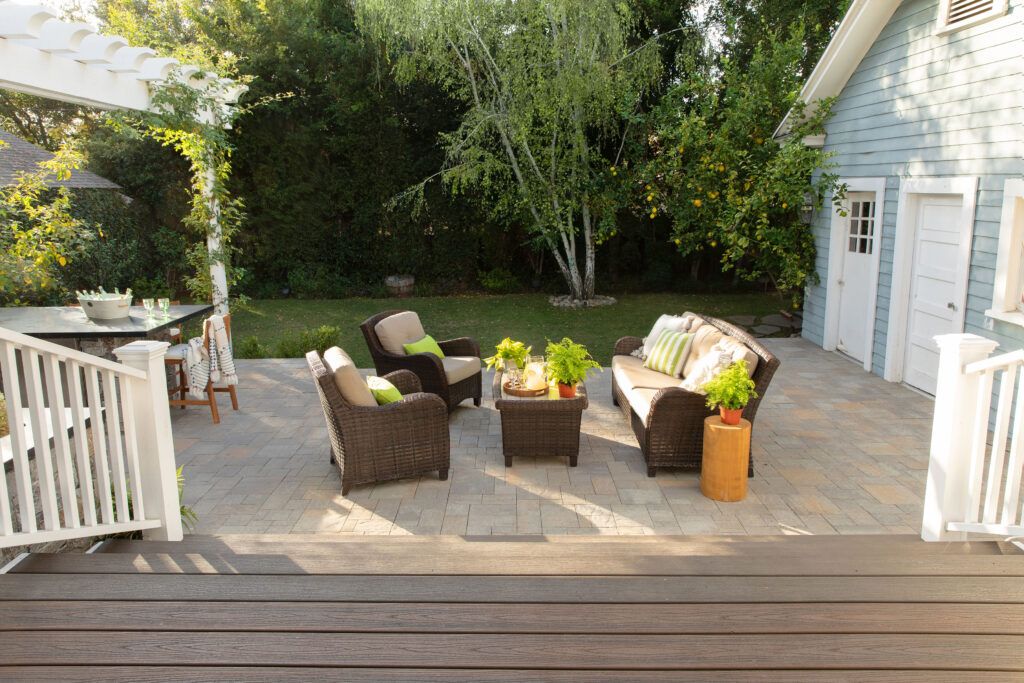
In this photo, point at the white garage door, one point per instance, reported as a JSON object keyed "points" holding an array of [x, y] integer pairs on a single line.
{"points": [[938, 285]]}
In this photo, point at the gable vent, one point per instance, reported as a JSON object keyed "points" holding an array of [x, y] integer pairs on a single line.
{"points": [[962, 10]]}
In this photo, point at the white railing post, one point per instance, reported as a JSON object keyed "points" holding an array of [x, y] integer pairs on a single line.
{"points": [[157, 470], [947, 495]]}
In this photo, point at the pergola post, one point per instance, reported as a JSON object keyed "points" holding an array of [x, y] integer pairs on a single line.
{"points": [[214, 245]]}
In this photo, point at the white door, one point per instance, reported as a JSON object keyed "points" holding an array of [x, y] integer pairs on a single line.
{"points": [[938, 285], [859, 244]]}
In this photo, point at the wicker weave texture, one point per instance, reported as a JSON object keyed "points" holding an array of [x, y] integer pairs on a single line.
{"points": [[674, 433], [427, 366], [408, 438], [532, 427]]}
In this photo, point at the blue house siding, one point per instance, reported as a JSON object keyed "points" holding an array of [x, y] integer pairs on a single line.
{"points": [[921, 105]]}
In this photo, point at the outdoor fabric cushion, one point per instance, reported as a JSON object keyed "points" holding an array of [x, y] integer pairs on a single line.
{"points": [[176, 352], [384, 392], [741, 351], [717, 359], [398, 329], [347, 378], [674, 323], [458, 368], [424, 345], [669, 354], [640, 401], [703, 339], [630, 373]]}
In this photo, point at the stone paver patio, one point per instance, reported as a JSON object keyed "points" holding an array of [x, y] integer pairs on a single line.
{"points": [[836, 450]]}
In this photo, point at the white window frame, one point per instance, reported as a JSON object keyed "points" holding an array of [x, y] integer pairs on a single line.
{"points": [[903, 255], [836, 254], [1009, 283], [999, 8]]}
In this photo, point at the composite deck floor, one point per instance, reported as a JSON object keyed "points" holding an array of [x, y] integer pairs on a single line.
{"points": [[293, 608]]}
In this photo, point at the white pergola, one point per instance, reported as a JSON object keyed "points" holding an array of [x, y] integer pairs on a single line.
{"points": [[42, 55]]}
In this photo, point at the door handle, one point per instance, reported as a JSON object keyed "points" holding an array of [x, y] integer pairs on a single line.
{"points": [[951, 306], [840, 282]]}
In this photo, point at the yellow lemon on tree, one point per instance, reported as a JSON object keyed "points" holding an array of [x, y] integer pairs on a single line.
{"points": [[697, 203]]}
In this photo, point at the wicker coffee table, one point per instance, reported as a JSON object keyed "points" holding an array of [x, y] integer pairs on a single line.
{"points": [[541, 426]]}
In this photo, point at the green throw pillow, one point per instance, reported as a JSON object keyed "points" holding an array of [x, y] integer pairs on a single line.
{"points": [[384, 391], [425, 345], [669, 353]]}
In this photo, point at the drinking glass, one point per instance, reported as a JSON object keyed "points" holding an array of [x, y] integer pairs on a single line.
{"points": [[165, 307], [148, 305]]}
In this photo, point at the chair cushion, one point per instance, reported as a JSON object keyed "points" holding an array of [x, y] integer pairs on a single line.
{"points": [[703, 339], [177, 352], [384, 392], [640, 401], [347, 378], [669, 354], [397, 330], [630, 373], [425, 345], [458, 368]]}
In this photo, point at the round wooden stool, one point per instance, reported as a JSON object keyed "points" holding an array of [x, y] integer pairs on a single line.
{"points": [[723, 470]]}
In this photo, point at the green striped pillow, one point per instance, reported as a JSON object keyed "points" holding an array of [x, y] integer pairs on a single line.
{"points": [[669, 353]]}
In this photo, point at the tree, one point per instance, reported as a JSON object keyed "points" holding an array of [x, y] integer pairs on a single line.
{"points": [[727, 186], [546, 87]]}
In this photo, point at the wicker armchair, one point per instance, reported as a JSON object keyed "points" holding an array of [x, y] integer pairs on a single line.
{"points": [[673, 435], [427, 366], [370, 444]]}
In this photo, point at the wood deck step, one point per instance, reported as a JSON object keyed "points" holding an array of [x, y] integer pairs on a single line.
{"points": [[285, 608]]}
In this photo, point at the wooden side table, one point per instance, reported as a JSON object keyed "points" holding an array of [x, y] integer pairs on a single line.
{"points": [[723, 470]]}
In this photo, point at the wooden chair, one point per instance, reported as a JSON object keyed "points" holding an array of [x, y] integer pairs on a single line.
{"points": [[175, 359]]}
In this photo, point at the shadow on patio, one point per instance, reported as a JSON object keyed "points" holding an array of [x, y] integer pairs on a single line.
{"points": [[836, 450]]}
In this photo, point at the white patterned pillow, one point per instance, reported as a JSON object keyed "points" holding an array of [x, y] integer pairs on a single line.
{"points": [[717, 359], [673, 323], [669, 353]]}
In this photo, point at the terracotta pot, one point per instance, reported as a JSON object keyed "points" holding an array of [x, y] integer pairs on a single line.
{"points": [[566, 390], [730, 416]]}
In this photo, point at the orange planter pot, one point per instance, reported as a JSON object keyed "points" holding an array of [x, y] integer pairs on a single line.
{"points": [[730, 416], [566, 390]]}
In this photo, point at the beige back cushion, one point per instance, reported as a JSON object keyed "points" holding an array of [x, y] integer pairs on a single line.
{"points": [[703, 340], [398, 329], [347, 378], [741, 352]]}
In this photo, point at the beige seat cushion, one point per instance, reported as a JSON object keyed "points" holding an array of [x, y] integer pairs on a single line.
{"points": [[398, 329], [347, 378], [640, 401], [458, 368], [630, 373], [703, 340]]}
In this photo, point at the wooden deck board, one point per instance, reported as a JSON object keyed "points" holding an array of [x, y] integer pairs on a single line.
{"points": [[549, 561], [514, 589], [516, 651], [354, 617], [459, 610]]}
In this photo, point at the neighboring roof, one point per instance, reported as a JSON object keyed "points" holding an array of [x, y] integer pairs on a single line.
{"points": [[856, 34], [19, 156]]}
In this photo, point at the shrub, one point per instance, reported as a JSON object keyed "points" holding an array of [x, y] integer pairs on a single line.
{"points": [[250, 347], [499, 281], [320, 339]]}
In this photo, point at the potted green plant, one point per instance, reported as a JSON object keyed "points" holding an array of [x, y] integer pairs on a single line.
{"points": [[509, 354], [730, 392], [568, 365]]}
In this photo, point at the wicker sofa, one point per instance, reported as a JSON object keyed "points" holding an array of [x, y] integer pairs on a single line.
{"points": [[379, 443], [668, 421], [442, 377]]}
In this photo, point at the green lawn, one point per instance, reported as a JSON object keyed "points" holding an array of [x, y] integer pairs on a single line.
{"points": [[527, 317]]}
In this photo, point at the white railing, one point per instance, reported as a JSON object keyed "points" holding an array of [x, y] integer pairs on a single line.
{"points": [[90, 450], [974, 480]]}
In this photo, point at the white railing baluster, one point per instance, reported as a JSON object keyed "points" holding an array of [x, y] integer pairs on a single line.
{"points": [[19, 449], [131, 444], [99, 446], [1011, 491], [78, 432], [978, 445], [116, 452], [61, 444], [58, 395], [41, 440]]}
